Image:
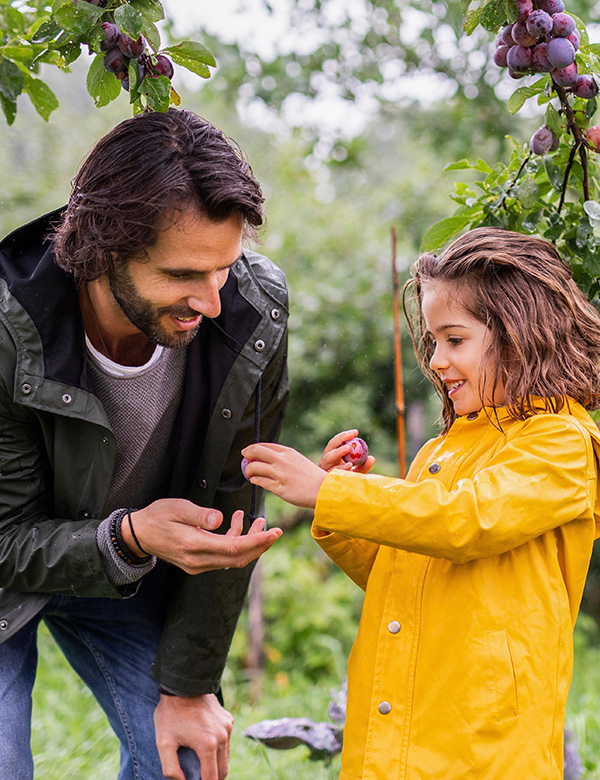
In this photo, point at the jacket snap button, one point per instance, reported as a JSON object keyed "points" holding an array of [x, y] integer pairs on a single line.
{"points": [[472, 416], [385, 708], [203, 484], [226, 413], [67, 398], [434, 468], [86, 515], [394, 627], [26, 388], [3, 625], [275, 314], [105, 440], [259, 345]]}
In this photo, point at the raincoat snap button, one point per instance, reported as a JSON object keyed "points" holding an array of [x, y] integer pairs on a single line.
{"points": [[26, 388], [226, 413], [472, 416], [275, 314], [259, 345], [394, 627], [86, 515], [434, 468], [385, 708], [105, 440], [67, 398], [203, 484], [3, 625]]}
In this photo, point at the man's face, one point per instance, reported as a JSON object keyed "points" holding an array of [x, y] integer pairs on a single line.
{"points": [[166, 295]]}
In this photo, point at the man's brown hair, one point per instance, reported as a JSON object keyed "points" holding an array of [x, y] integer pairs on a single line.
{"points": [[545, 334], [139, 177]]}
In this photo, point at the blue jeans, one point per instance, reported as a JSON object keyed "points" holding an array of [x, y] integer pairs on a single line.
{"points": [[111, 644]]}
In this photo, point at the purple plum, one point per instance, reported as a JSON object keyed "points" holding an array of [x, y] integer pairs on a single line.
{"points": [[561, 52], [244, 463], [585, 87], [543, 141], [566, 77], [358, 452], [540, 23], [563, 25]]}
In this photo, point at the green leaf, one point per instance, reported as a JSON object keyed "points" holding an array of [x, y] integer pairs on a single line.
{"points": [[11, 80], [42, 97], [459, 165], [193, 56], [47, 31], [151, 10], [151, 34], [129, 21], [591, 108], [21, 53], [10, 109], [443, 231], [528, 192], [495, 14], [464, 6], [594, 48], [554, 174], [14, 20], [592, 209], [79, 19], [157, 91], [519, 96], [472, 20], [102, 85], [553, 120], [581, 28]]}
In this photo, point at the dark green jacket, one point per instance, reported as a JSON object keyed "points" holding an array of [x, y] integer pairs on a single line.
{"points": [[57, 450]]}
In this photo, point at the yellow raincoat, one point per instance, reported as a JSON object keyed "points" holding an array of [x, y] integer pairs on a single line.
{"points": [[474, 568]]}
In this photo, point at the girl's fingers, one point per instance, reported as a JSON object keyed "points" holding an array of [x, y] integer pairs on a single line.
{"points": [[340, 438]]}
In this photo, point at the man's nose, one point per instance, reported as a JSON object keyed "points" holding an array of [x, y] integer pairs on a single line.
{"points": [[205, 299]]}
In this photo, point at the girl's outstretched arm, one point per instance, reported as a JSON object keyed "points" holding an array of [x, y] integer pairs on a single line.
{"points": [[293, 477]]}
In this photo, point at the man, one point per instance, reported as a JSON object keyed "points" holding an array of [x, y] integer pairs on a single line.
{"points": [[140, 349]]}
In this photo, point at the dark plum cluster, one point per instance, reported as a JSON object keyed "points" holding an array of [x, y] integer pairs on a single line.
{"points": [[121, 49], [544, 39]]}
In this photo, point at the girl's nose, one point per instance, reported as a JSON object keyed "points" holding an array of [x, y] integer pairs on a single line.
{"points": [[438, 361]]}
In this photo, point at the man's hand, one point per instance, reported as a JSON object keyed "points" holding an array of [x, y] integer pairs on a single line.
{"points": [[199, 723], [176, 531]]}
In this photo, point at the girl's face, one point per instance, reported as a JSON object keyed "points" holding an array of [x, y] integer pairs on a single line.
{"points": [[460, 344]]}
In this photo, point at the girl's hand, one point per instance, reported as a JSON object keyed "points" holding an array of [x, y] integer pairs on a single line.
{"points": [[284, 472], [335, 450]]}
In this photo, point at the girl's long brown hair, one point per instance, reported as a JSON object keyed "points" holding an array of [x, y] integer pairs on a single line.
{"points": [[545, 334]]}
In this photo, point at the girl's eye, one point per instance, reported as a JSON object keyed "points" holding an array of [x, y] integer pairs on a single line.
{"points": [[454, 340]]}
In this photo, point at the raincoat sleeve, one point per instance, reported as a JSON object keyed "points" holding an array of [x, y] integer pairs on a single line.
{"points": [[355, 557], [40, 553], [541, 479]]}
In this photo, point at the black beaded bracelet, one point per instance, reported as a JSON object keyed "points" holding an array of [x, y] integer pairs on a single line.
{"points": [[117, 540]]}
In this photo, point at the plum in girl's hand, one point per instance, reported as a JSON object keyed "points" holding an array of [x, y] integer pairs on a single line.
{"points": [[358, 452]]}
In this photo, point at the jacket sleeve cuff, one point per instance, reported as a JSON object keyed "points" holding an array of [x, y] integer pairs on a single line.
{"points": [[119, 571]]}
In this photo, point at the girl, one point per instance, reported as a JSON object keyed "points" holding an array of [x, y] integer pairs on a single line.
{"points": [[473, 565]]}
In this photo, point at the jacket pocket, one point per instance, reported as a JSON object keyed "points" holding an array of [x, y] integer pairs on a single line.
{"points": [[503, 675]]}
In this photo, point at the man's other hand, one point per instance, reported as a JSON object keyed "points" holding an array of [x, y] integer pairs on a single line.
{"points": [[199, 723]]}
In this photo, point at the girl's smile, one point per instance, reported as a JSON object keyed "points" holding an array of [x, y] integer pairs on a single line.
{"points": [[460, 348]]}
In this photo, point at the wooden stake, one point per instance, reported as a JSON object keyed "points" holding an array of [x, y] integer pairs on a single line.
{"points": [[398, 384]]}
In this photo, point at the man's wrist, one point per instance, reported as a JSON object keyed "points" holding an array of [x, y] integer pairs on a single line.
{"points": [[128, 539]]}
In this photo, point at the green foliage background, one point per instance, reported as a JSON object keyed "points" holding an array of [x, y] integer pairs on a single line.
{"points": [[331, 199]]}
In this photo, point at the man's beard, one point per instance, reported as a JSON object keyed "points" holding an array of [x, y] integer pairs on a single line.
{"points": [[144, 315]]}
